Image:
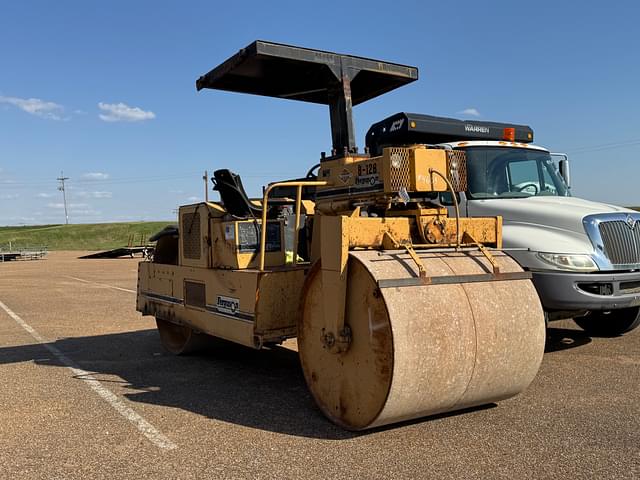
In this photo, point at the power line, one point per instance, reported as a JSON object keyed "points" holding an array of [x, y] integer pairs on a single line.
{"points": [[205, 177], [126, 180], [61, 179], [604, 146]]}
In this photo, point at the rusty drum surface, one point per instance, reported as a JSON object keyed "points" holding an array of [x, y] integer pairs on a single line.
{"points": [[421, 350]]}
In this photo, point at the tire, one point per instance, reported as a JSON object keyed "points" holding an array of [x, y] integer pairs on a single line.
{"points": [[180, 339], [610, 324]]}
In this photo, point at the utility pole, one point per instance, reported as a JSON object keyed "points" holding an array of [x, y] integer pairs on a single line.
{"points": [[206, 186], [61, 179]]}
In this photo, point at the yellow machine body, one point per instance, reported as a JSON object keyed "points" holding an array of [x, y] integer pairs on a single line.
{"points": [[408, 168], [400, 309], [244, 306], [216, 288], [393, 310]]}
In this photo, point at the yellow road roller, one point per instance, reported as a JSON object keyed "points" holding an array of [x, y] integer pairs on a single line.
{"points": [[400, 310]]}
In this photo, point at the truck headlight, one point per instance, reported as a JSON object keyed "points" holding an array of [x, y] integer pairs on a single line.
{"points": [[582, 263]]}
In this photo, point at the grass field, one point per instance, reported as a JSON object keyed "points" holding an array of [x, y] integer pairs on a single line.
{"points": [[99, 236]]}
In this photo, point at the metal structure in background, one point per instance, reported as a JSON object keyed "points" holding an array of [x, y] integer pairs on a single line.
{"points": [[62, 179], [22, 253], [136, 244], [205, 178]]}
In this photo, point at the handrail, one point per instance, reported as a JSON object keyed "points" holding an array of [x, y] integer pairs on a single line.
{"points": [[455, 203], [263, 228]]}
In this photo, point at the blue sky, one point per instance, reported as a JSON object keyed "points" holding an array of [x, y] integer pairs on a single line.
{"points": [[105, 91]]}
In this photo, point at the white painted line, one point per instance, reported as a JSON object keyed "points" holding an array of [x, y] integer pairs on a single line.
{"points": [[105, 285], [148, 430]]}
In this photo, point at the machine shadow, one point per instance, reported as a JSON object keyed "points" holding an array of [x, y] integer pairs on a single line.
{"points": [[559, 339], [258, 389]]}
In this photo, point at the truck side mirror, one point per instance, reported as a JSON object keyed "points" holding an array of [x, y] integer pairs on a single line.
{"points": [[563, 167], [565, 172]]}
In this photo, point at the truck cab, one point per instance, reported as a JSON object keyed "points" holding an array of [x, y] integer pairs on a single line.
{"points": [[584, 256]]}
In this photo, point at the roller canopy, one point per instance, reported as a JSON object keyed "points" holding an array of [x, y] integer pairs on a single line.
{"points": [[284, 71]]}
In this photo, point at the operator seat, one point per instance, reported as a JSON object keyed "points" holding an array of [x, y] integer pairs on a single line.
{"points": [[233, 195]]}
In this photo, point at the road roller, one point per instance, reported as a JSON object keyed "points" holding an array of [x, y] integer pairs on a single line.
{"points": [[400, 310]]}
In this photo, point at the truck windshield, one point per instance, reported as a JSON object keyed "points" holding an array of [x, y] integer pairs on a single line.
{"points": [[503, 172]]}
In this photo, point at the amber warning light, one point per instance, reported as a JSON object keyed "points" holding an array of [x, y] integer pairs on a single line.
{"points": [[509, 134]]}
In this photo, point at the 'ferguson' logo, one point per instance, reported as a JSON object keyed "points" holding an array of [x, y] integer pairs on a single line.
{"points": [[227, 305]]}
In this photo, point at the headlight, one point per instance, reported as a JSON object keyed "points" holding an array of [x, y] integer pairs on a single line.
{"points": [[583, 263]]}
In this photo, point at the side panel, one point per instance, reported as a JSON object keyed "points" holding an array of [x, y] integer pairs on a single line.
{"points": [[175, 294], [243, 306], [278, 307]]}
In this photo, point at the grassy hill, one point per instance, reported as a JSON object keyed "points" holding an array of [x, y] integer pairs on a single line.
{"points": [[99, 236]]}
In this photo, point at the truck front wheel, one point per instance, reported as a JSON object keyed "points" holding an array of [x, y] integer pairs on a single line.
{"points": [[610, 324]]}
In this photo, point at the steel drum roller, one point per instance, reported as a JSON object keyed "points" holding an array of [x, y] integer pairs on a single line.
{"points": [[421, 350]]}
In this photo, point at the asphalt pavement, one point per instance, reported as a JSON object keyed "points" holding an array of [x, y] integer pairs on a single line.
{"points": [[86, 391]]}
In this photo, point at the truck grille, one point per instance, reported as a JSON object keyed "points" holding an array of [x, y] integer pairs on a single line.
{"points": [[621, 242]]}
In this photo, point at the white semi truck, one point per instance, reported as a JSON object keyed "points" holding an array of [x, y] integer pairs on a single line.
{"points": [[584, 256]]}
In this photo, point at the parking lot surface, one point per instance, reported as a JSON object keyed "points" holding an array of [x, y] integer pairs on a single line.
{"points": [[86, 391]]}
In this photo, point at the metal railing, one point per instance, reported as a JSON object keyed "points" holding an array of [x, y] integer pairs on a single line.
{"points": [[22, 253]]}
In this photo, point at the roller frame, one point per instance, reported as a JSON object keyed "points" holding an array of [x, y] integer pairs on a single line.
{"points": [[338, 234]]}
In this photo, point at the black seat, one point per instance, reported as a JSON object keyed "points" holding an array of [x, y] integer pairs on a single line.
{"points": [[169, 230], [233, 195]]}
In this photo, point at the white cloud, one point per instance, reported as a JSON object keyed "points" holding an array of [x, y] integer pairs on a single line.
{"points": [[193, 199], [37, 107], [9, 196], [95, 176], [70, 205], [85, 212], [120, 112], [470, 111], [101, 194], [83, 194], [45, 195]]}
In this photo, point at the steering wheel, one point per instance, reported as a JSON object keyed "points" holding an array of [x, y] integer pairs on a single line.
{"points": [[310, 173], [527, 185]]}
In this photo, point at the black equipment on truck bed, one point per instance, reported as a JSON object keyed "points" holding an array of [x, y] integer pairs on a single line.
{"points": [[412, 128]]}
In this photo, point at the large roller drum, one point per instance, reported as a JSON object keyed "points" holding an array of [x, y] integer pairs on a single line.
{"points": [[424, 349]]}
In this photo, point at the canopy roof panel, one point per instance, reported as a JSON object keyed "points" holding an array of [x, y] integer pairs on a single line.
{"points": [[295, 73]]}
